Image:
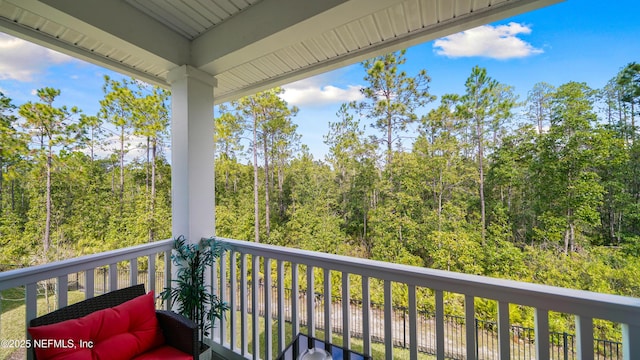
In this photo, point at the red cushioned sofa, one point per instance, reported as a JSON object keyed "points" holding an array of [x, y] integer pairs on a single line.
{"points": [[119, 325]]}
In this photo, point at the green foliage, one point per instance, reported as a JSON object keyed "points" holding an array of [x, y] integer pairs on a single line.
{"points": [[463, 186], [392, 97], [190, 295]]}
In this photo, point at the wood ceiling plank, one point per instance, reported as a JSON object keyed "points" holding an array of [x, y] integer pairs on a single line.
{"points": [[346, 37], [335, 43], [398, 18], [194, 13], [480, 4], [305, 51], [412, 14], [326, 51], [371, 30], [357, 32], [445, 10], [462, 7], [228, 6], [383, 23], [429, 12]]}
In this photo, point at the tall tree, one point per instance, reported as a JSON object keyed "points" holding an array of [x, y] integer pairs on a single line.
{"points": [[571, 152], [229, 129], [116, 108], [12, 144], [267, 114], [392, 97], [510, 182], [439, 151], [151, 120], [629, 81], [89, 133], [539, 105], [282, 141], [48, 124], [486, 103], [352, 156]]}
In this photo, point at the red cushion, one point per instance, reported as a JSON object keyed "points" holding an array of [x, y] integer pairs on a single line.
{"points": [[164, 352], [121, 332]]}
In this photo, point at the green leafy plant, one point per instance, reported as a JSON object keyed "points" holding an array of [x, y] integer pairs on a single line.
{"points": [[189, 295]]}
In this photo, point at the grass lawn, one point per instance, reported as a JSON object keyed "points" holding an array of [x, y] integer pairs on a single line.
{"points": [[12, 315]]}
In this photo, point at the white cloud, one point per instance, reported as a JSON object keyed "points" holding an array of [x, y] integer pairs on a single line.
{"points": [[22, 60], [134, 147], [497, 42], [310, 92]]}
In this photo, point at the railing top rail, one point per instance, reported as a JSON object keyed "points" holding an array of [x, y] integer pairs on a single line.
{"points": [[19, 277], [584, 303]]}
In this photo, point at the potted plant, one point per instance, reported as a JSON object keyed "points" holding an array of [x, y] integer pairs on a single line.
{"points": [[189, 295]]}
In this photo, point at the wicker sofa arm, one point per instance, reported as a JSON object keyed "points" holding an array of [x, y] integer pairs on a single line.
{"points": [[179, 332]]}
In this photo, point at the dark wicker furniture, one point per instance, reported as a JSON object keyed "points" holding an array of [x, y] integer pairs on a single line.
{"points": [[179, 332]]}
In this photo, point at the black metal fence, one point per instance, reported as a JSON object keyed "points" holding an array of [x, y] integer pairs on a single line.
{"points": [[563, 344]]}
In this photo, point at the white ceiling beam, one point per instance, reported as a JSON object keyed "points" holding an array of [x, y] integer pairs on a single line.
{"points": [[117, 23], [436, 31], [274, 24]]}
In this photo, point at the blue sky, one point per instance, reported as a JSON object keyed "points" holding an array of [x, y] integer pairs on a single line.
{"points": [[577, 40]]}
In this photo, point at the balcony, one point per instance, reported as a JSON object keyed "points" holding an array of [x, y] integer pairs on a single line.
{"points": [[270, 311]]}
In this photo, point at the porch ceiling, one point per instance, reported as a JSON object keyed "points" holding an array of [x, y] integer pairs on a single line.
{"points": [[248, 45]]}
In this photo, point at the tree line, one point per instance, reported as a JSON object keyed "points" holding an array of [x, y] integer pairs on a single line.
{"points": [[68, 184], [555, 171], [543, 189]]}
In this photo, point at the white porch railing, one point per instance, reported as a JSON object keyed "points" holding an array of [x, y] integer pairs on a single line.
{"points": [[245, 261], [30, 278], [259, 306]]}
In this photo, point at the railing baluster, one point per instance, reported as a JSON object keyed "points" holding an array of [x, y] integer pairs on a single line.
{"points": [[311, 321], [268, 320], [413, 323], [346, 312], [31, 303], [439, 324], [133, 272], [388, 321], [113, 277], [167, 276], [233, 299], [151, 273], [281, 307], [223, 295], [630, 342], [62, 286], [89, 286], [215, 290], [244, 328], [366, 311], [255, 306], [327, 306], [541, 319], [503, 330], [295, 304], [470, 326], [584, 337]]}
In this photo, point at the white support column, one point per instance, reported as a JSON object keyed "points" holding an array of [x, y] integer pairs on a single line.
{"points": [[192, 153]]}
